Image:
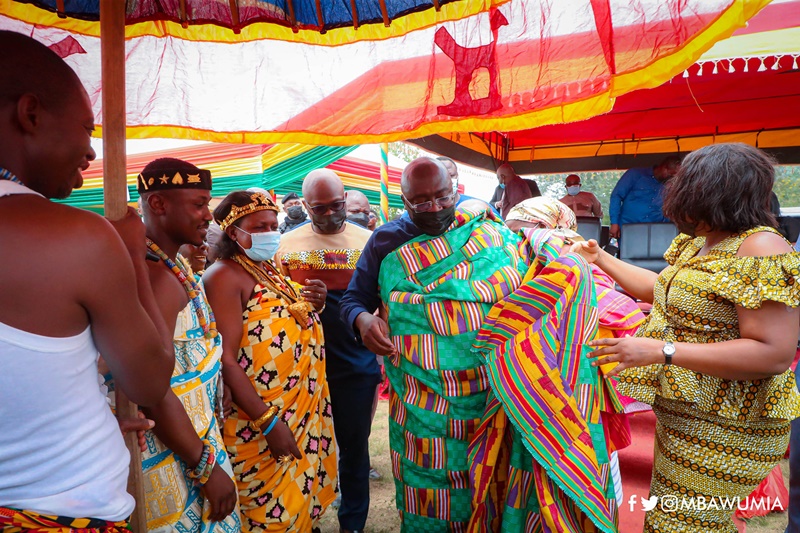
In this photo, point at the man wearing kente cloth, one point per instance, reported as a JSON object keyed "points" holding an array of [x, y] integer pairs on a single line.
{"points": [[438, 272], [187, 474]]}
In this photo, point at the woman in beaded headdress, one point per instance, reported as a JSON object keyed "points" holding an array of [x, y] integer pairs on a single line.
{"points": [[279, 434]]}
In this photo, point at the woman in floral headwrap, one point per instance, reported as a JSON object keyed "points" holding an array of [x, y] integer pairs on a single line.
{"points": [[557, 466]]}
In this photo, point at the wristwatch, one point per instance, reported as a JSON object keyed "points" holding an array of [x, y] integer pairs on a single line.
{"points": [[668, 350]]}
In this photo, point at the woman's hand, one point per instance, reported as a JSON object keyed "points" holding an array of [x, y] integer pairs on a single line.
{"points": [[281, 441], [314, 291], [589, 250], [629, 352]]}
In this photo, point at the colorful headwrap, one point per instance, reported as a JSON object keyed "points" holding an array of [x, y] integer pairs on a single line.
{"points": [[259, 202], [552, 213], [168, 174]]}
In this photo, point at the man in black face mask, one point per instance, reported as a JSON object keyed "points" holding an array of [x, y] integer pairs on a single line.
{"points": [[428, 196], [328, 249], [294, 213], [358, 210], [420, 267]]}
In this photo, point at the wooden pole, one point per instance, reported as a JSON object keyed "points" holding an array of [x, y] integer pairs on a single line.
{"points": [[112, 49]]}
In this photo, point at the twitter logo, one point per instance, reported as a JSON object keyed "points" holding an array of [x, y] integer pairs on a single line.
{"points": [[648, 504]]}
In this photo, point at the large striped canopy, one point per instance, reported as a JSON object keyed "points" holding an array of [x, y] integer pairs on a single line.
{"points": [[280, 168], [458, 66], [744, 89]]}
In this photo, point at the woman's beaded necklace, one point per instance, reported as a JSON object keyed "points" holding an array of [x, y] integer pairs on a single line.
{"points": [[268, 276], [192, 289], [7, 175]]}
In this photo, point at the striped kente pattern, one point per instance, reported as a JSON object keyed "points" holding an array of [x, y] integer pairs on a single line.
{"points": [[547, 403]]}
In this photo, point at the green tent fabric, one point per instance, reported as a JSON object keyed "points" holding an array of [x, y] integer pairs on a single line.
{"points": [[284, 177]]}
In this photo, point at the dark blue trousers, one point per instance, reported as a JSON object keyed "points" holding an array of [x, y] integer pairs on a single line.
{"points": [[352, 423]]}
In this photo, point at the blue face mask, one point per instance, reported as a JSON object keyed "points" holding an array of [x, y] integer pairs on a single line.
{"points": [[502, 185], [264, 245], [572, 190]]}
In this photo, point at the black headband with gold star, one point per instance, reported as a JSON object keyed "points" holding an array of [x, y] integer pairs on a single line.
{"points": [[169, 179]]}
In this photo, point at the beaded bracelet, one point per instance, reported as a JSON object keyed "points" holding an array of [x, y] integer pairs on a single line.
{"points": [[203, 479], [271, 425], [206, 457], [269, 413]]}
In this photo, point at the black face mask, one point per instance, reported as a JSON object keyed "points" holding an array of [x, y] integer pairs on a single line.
{"points": [[433, 222], [329, 223], [295, 212], [362, 219]]}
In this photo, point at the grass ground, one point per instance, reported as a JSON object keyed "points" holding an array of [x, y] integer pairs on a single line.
{"points": [[383, 516]]}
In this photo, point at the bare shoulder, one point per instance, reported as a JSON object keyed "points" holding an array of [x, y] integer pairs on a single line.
{"points": [[763, 243], [226, 274]]}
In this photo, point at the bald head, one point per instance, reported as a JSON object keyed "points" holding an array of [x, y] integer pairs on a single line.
{"points": [[322, 182], [425, 177], [357, 202], [505, 173], [28, 66]]}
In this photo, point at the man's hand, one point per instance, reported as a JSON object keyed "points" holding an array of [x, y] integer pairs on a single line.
{"points": [[613, 231], [281, 441], [131, 229], [374, 334], [314, 291], [220, 491], [139, 425]]}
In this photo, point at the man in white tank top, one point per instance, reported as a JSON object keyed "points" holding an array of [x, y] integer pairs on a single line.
{"points": [[70, 286], [189, 485]]}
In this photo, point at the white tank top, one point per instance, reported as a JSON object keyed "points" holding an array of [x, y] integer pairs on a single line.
{"points": [[61, 450]]}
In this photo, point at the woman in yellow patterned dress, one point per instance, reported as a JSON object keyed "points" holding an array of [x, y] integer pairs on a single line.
{"points": [[279, 435], [713, 357]]}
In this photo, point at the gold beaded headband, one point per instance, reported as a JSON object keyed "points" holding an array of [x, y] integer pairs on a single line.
{"points": [[259, 203]]}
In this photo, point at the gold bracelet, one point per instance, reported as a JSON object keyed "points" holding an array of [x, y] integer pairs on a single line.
{"points": [[269, 413]]}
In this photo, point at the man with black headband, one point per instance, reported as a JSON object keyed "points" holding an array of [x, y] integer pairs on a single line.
{"points": [[430, 270], [295, 216], [191, 487], [328, 249]]}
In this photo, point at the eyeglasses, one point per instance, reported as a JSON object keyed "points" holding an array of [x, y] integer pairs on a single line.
{"points": [[424, 207], [322, 209]]}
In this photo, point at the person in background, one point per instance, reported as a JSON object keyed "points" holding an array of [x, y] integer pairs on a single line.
{"points": [[358, 209], [212, 238], [516, 189], [582, 203], [71, 284], [452, 171], [194, 257], [279, 434], [373, 221], [533, 187], [637, 196], [714, 356], [295, 215]]}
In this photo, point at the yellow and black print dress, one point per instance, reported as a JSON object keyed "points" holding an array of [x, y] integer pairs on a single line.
{"points": [[715, 438]]}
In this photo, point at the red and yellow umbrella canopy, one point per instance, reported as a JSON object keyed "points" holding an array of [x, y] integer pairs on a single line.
{"points": [[323, 72], [746, 88]]}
